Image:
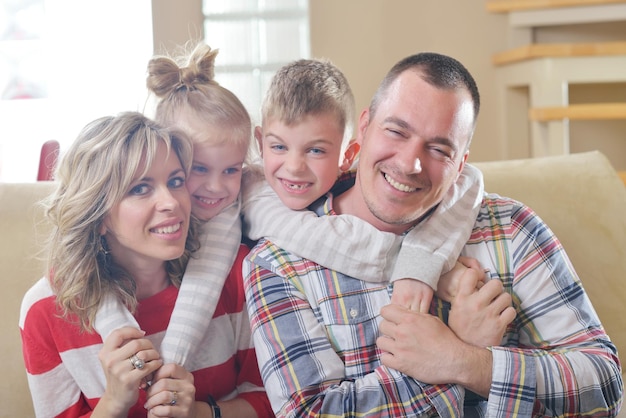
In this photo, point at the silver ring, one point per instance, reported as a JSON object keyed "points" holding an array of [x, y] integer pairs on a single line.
{"points": [[137, 362], [174, 398]]}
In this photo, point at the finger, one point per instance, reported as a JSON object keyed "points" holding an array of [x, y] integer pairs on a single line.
{"points": [[165, 398], [490, 291], [145, 357], [120, 335], [508, 315], [386, 328], [470, 262], [393, 313], [468, 282], [173, 371], [385, 344], [501, 302]]}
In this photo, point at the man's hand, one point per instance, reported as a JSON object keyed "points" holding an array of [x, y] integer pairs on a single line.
{"points": [[423, 347], [412, 294], [480, 316]]}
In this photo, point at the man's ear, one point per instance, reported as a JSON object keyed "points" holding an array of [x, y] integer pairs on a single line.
{"points": [[462, 165], [350, 155], [258, 135]]}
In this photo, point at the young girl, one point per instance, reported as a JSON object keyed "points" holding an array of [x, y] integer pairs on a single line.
{"points": [[219, 127]]}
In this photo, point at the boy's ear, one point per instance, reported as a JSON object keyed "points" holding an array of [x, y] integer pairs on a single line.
{"points": [[350, 155], [258, 135]]}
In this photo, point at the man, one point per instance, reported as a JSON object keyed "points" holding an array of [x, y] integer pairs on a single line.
{"points": [[321, 345]]}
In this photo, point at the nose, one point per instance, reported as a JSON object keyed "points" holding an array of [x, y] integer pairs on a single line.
{"points": [[409, 161], [295, 163], [166, 200], [213, 183]]}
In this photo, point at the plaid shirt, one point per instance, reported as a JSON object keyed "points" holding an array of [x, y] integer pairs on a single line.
{"points": [[315, 333]]}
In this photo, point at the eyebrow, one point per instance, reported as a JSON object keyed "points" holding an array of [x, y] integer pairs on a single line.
{"points": [[150, 179]]}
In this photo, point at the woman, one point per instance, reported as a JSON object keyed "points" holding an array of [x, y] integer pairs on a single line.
{"points": [[121, 216]]}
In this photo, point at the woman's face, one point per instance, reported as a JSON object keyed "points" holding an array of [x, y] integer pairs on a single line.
{"points": [[150, 224]]}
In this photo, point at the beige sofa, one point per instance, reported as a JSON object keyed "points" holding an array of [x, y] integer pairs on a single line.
{"points": [[580, 196]]}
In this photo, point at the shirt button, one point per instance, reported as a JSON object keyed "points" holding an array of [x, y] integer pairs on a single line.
{"points": [[353, 313]]}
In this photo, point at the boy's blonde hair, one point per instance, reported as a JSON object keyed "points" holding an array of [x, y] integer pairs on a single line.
{"points": [[309, 87], [92, 177], [187, 84]]}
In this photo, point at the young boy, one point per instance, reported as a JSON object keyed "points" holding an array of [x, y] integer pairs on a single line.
{"points": [[307, 118]]}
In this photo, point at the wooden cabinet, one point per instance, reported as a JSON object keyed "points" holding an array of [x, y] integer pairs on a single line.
{"points": [[536, 79]]}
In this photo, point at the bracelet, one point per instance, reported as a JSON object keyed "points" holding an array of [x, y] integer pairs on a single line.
{"points": [[217, 412]]}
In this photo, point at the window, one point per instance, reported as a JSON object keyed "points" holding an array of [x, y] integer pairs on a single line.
{"points": [[255, 38], [64, 63]]}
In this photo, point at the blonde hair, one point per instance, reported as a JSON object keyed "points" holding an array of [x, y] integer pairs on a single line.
{"points": [[187, 84], [92, 177], [308, 87]]}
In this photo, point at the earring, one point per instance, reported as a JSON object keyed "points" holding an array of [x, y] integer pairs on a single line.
{"points": [[104, 247]]}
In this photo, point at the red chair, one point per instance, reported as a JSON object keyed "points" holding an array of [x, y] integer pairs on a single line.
{"points": [[48, 160]]}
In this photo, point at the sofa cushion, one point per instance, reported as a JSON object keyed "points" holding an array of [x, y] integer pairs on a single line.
{"points": [[583, 200], [20, 267]]}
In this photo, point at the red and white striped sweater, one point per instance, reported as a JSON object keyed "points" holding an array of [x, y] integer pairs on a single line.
{"points": [[65, 376]]}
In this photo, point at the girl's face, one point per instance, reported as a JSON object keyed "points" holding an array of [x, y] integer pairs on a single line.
{"points": [[215, 178], [150, 224]]}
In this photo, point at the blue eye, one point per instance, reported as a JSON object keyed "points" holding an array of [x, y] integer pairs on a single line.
{"points": [[231, 170], [139, 189], [200, 169], [176, 182], [317, 151], [278, 147]]}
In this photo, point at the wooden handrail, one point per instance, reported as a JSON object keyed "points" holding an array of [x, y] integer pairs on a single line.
{"points": [[622, 174], [532, 51], [593, 111], [505, 6]]}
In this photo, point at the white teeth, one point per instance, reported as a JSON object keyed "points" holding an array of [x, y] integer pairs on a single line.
{"points": [[399, 186], [294, 186], [207, 201], [297, 186], [167, 229]]}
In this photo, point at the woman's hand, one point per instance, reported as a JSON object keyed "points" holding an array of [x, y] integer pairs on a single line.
{"points": [[123, 378], [172, 393]]}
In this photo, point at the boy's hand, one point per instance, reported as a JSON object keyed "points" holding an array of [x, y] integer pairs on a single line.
{"points": [[448, 286], [412, 294]]}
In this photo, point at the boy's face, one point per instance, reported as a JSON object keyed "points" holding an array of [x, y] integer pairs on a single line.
{"points": [[301, 161], [215, 178]]}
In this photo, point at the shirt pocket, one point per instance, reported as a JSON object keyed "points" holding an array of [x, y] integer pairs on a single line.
{"points": [[351, 319]]}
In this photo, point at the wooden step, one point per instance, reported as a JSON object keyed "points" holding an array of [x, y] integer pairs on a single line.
{"points": [[533, 51], [594, 111], [505, 6]]}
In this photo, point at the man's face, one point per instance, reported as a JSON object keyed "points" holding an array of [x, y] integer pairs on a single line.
{"points": [[415, 121]]}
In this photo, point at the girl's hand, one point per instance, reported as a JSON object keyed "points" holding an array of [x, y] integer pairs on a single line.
{"points": [[172, 393], [123, 379]]}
